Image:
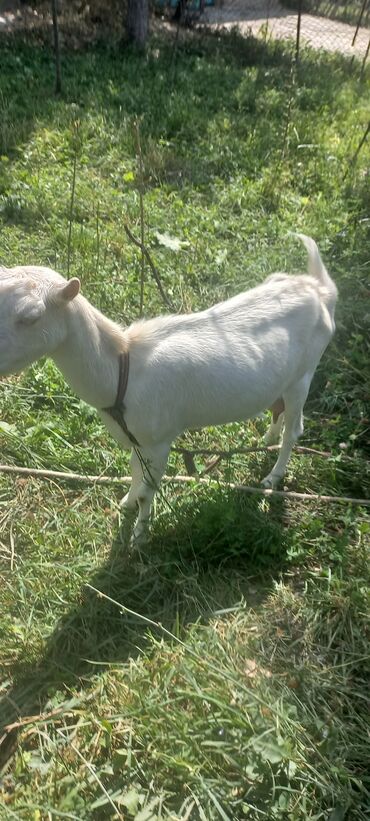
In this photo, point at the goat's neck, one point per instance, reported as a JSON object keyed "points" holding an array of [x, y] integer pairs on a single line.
{"points": [[89, 356]]}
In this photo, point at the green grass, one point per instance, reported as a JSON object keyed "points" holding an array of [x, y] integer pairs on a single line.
{"points": [[222, 673]]}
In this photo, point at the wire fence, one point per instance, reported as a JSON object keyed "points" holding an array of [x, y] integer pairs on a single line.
{"points": [[320, 28]]}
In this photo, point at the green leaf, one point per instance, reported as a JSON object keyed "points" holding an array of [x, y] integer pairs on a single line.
{"points": [[270, 750], [131, 800], [173, 243], [106, 725]]}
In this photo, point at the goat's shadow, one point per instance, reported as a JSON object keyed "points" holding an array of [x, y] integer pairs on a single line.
{"points": [[223, 546]]}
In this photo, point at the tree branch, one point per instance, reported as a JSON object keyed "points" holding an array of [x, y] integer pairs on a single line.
{"points": [[153, 268], [186, 480]]}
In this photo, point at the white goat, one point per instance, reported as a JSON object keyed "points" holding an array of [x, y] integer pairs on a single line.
{"points": [[255, 351]]}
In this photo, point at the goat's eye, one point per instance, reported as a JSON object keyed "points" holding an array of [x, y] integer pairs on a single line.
{"points": [[26, 321], [30, 314]]}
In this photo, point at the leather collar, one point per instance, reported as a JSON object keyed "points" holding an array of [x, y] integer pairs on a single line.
{"points": [[117, 410]]}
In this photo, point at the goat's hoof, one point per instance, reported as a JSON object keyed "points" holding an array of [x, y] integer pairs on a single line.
{"points": [[140, 537]]}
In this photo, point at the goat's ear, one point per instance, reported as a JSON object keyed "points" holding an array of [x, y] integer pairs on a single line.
{"points": [[70, 290], [29, 310], [65, 293]]}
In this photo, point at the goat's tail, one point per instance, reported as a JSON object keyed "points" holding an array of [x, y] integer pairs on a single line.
{"points": [[316, 269]]}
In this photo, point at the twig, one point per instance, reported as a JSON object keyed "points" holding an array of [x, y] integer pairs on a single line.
{"points": [[141, 201], [358, 149], [211, 465], [35, 719], [97, 239], [12, 548], [60, 474], [124, 480], [94, 774], [153, 268], [73, 189], [298, 36], [58, 75], [258, 449]]}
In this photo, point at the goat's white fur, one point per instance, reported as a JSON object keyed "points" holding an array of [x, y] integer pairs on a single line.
{"points": [[221, 365]]}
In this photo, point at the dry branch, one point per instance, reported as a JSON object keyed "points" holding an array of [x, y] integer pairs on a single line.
{"points": [[352, 162], [153, 268], [58, 74], [125, 480], [141, 201], [224, 454]]}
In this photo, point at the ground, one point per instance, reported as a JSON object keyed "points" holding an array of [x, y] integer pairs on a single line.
{"points": [[320, 32], [247, 15]]}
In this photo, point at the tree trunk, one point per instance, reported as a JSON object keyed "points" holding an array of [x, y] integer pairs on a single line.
{"points": [[138, 21]]}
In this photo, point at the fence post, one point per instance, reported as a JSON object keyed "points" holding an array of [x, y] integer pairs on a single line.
{"points": [[297, 44], [359, 21], [58, 76]]}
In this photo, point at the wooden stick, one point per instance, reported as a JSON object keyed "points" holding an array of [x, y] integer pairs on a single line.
{"points": [[59, 474], [124, 480], [58, 74], [76, 127], [154, 271], [358, 149], [257, 449], [141, 201], [298, 35]]}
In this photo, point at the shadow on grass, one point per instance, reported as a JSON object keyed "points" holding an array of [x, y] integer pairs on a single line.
{"points": [[172, 103], [225, 547]]}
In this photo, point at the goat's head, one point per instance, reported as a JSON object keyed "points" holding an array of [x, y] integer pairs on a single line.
{"points": [[33, 315]]}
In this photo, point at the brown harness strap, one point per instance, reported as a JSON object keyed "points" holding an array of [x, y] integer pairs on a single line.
{"points": [[117, 411]]}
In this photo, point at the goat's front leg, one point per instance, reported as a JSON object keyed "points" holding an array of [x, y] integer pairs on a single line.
{"points": [[129, 501], [148, 466]]}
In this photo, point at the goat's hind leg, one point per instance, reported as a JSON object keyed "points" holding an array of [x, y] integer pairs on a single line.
{"points": [[294, 400]]}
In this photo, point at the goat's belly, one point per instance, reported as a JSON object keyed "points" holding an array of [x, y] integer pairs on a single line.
{"points": [[188, 395], [201, 405], [223, 412]]}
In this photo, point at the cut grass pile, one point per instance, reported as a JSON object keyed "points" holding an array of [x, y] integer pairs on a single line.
{"points": [[223, 672]]}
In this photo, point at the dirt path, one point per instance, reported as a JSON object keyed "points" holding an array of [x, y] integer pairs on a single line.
{"points": [[320, 32]]}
